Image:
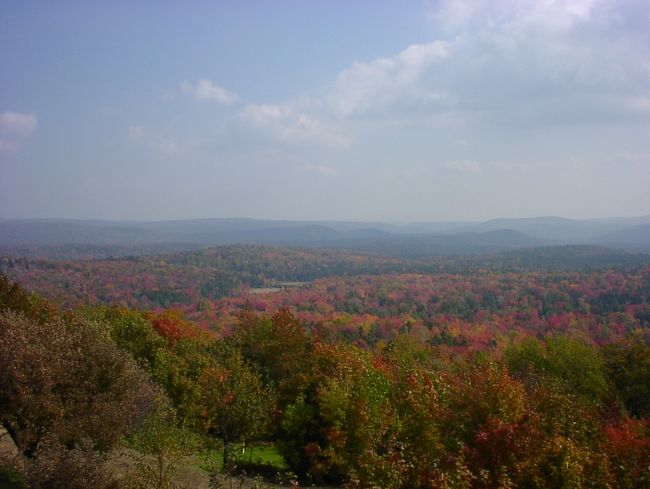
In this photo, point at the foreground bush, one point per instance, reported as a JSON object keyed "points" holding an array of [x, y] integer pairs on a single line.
{"points": [[67, 393], [66, 378]]}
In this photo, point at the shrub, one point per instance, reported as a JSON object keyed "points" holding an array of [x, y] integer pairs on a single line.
{"points": [[66, 378]]}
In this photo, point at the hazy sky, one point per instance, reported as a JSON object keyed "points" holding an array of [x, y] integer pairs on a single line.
{"points": [[368, 110]]}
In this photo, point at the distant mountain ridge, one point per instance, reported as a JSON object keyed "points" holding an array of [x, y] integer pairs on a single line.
{"points": [[637, 235], [418, 239]]}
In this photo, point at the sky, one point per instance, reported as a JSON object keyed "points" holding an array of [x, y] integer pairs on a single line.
{"points": [[315, 110]]}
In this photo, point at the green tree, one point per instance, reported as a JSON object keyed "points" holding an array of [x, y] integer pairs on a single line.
{"points": [[628, 370], [161, 446], [235, 405], [279, 349], [575, 364]]}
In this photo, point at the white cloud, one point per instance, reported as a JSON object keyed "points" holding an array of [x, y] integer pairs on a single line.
{"points": [[288, 124], [368, 86], [365, 87], [15, 127], [207, 90], [515, 15], [465, 166], [17, 124], [496, 66], [545, 62], [265, 114], [162, 145]]}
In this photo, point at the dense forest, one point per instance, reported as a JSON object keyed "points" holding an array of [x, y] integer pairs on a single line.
{"points": [[523, 369]]}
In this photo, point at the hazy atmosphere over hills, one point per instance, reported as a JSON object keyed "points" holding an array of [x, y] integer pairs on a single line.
{"points": [[414, 239], [368, 111]]}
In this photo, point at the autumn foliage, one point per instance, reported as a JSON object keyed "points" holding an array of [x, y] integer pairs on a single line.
{"points": [[491, 379]]}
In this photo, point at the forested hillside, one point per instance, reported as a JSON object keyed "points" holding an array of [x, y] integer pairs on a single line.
{"points": [[329, 368]]}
